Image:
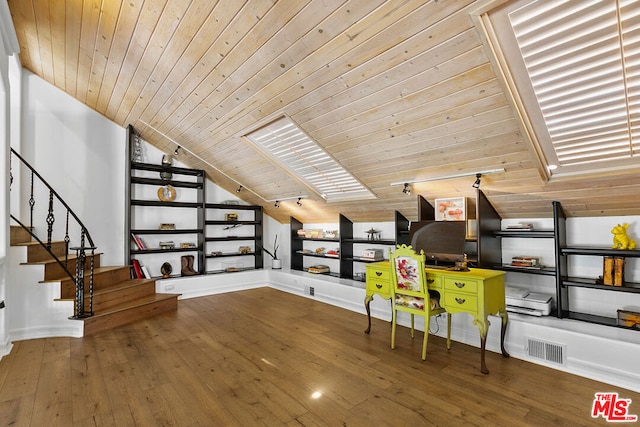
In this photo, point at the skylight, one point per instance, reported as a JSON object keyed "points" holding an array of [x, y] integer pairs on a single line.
{"points": [[290, 147], [573, 67]]}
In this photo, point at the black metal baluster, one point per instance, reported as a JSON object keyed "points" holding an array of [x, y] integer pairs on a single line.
{"points": [[66, 239], [91, 266], [32, 203], [50, 220], [80, 260]]}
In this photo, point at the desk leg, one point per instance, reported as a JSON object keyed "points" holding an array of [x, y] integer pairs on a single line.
{"points": [[503, 331], [367, 300], [483, 327]]}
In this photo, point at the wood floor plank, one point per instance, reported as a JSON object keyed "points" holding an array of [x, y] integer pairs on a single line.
{"points": [[256, 358]]}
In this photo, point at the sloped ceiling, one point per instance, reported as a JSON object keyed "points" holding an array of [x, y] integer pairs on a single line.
{"points": [[393, 90]]}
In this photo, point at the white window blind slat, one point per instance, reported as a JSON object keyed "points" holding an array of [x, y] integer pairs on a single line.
{"points": [[583, 60], [291, 148]]}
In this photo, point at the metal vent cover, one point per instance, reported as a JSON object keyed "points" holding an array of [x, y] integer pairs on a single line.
{"points": [[549, 352]]}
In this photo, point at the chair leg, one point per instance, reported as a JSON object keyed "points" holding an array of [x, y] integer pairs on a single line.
{"points": [[448, 331], [425, 338], [393, 328], [412, 327]]}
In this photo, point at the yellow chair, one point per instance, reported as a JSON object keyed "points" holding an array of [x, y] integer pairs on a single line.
{"points": [[410, 293]]}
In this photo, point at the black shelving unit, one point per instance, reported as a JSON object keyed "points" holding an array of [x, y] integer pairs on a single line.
{"points": [[180, 178], [254, 238], [345, 241]]}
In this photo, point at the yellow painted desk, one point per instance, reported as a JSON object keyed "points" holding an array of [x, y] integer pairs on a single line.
{"points": [[478, 292]]}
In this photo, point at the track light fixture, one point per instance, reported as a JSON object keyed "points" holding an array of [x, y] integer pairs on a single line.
{"points": [[283, 199], [407, 189], [177, 150], [478, 174], [239, 189], [477, 183]]}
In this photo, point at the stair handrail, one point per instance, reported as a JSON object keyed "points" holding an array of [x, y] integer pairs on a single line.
{"points": [[81, 255]]}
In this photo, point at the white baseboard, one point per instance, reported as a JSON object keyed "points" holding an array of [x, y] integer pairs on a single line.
{"points": [[74, 329]]}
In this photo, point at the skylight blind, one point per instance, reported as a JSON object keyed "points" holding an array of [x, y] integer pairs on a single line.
{"points": [[292, 149], [583, 60]]}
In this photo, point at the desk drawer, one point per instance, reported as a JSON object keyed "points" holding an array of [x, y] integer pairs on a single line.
{"points": [[434, 281], [378, 274], [378, 286], [461, 301], [461, 284]]}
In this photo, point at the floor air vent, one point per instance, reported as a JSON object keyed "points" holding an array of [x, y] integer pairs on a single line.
{"points": [[549, 352]]}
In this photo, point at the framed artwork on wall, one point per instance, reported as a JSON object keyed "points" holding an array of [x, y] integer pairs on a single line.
{"points": [[451, 209]]}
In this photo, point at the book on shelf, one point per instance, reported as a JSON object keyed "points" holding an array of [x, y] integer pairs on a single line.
{"points": [[137, 269], [520, 227], [145, 272], [139, 242]]}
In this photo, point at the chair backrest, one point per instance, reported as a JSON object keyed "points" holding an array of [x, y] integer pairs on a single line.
{"points": [[409, 277]]}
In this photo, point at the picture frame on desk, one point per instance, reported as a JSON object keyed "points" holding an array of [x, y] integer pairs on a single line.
{"points": [[451, 209]]}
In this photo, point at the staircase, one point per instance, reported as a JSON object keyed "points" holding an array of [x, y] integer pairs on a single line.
{"points": [[117, 299]]}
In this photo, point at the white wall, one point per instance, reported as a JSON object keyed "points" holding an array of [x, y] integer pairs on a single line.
{"points": [[8, 58], [82, 156]]}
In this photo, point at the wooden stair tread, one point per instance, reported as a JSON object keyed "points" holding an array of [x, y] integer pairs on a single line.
{"points": [[122, 285], [132, 311], [150, 299], [70, 257], [96, 271]]}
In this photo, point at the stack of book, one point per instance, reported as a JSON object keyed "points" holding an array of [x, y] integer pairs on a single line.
{"points": [[319, 269], [526, 262]]}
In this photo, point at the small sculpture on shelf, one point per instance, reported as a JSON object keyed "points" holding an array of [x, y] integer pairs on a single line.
{"points": [[166, 270], [373, 234], [620, 238]]}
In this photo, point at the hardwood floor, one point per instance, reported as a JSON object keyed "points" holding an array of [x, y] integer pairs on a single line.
{"points": [[256, 357]]}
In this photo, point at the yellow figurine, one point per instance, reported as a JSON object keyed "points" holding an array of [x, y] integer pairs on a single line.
{"points": [[620, 238]]}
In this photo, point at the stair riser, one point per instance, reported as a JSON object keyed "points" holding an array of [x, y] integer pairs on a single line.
{"points": [[54, 271], [37, 253], [104, 301], [101, 280], [93, 325], [19, 235]]}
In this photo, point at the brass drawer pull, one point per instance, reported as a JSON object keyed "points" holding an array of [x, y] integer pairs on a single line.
{"points": [[378, 273], [430, 281], [459, 284], [460, 300], [378, 286]]}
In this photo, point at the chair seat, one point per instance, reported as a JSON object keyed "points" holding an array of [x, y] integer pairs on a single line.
{"points": [[416, 302]]}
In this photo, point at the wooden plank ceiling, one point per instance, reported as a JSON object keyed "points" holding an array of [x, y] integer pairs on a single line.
{"points": [[394, 90]]}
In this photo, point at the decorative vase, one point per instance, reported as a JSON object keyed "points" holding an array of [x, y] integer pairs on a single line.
{"points": [[276, 264]]}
